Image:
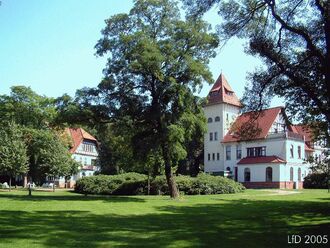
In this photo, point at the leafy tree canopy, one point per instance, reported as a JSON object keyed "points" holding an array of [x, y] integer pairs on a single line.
{"points": [[156, 61], [27, 108], [13, 154]]}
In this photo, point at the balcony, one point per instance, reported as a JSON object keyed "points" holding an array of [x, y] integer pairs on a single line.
{"points": [[286, 135]]}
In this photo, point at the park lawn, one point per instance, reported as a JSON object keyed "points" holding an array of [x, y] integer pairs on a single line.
{"points": [[254, 218]]}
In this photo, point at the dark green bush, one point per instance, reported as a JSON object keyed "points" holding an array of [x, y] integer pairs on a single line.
{"points": [[123, 184], [316, 181], [136, 184], [202, 184]]}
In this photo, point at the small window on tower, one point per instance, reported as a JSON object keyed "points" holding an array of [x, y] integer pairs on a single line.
{"points": [[217, 119], [209, 120]]}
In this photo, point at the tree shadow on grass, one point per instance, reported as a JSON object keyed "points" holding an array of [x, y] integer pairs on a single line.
{"points": [[230, 223], [73, 197]]}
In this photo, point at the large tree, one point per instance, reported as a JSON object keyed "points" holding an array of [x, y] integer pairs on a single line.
{"points": [[13, 153], [292, 38], [156, 61], [48, 155]]}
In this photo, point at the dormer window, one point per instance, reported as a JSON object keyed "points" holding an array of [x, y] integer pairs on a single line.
{"points": [[229, 93]]}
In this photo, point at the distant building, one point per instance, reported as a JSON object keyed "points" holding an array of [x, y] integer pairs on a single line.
{"points": [[273, 156], [84, 150]]}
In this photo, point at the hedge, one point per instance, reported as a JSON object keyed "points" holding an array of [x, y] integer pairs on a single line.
{"points": [[316, 181], [203, 184], [135, 184], [122, 184]]}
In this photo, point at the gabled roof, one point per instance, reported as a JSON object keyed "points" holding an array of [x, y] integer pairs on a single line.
{"points": [[307, 132], [264, 159], [261, 120], [221, 92], [78, 135]]}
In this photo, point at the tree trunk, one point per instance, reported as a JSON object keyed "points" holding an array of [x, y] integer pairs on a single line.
{"points": [[30, 190], [9, 183], [174, 192]]}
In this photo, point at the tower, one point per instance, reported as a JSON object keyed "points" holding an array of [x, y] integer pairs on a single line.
{"points": [[221, 110]]}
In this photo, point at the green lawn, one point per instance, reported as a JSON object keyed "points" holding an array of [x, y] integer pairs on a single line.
{"points": [[250, 219]]}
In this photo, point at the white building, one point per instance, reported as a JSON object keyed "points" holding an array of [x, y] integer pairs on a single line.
{"points": [[259, 149], [84, 149]]}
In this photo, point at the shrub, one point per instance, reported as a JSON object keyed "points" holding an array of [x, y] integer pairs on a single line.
{"points": [[135, 184], [122, 184], [316, 181], [202, 184]]}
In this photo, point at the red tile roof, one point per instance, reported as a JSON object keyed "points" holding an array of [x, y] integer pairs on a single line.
{"points": [[307, 132], [259, 160], [260, 121], [78, 135], [221, 92]]}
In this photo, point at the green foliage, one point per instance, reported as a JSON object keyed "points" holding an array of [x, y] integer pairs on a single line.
{"points": [[156, 61], [122, 184], [48, 155], [13, 153], [134, 183], [316, 181], [26, 108], [203, 184]]}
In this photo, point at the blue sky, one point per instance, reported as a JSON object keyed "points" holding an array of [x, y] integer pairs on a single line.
{"points": [[49, 46]]}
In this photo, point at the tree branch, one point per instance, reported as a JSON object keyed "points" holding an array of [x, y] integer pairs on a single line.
{"points": [[300, 32]]}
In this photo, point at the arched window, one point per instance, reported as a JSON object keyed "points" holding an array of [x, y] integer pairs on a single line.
{"points": [[291, 174], [299, 175], [217, 119], [269, 174], [228, 168], [209, 120], [247, 175]]}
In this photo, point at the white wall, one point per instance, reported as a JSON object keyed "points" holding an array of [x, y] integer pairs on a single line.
{"points": [[221, 127], [258, 172]]}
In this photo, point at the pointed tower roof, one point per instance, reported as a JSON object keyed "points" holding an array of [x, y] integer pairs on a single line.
{"points": [[221, 92]]}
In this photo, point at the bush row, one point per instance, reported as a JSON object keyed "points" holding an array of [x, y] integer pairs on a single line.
{"points": [[316, 181], [134, 184]]}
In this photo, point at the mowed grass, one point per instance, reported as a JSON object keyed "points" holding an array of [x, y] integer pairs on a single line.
{"points": [[254, 218]]}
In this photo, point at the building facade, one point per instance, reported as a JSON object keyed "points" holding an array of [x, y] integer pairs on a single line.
{"points": [[259, 149], [84, 149]]}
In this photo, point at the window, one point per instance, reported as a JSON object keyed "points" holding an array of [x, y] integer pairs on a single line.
{"points": [[211, 136], [208, 156], [299, 152], [247, 175], [269, 174], [238, 151], [291, 151], [217, 119], [256, 151], [218, 156], [213, 156], [227, 117], [291, 174], [228, 152], [85, 162], [209, 120], [228, 169], [215, 135], [87, 147], [299, 175]]}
